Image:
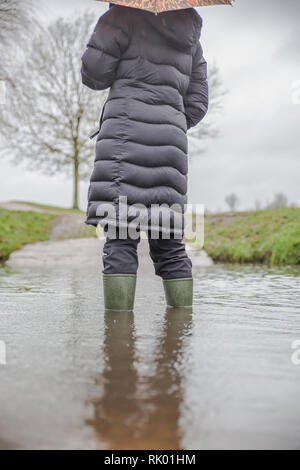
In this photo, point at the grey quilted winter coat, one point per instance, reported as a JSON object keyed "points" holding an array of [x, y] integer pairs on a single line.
{"points": [[157, 76]]}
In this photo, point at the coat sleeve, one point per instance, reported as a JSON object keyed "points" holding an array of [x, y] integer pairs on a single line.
{"points": [[197, 97], [104, 50]]}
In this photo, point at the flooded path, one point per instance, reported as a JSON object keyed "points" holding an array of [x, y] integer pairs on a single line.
{"points": [[217, 376]]}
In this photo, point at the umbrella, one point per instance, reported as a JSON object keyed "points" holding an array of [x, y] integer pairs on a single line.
{"points": [[158, 6]]}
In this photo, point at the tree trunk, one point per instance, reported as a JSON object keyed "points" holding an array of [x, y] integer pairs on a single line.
{"points": [[76, 182]]}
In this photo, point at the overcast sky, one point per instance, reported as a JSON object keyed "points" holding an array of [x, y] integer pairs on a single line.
{"points": [[256, 44]]}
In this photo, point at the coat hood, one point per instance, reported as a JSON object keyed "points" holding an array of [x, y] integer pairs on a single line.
{"points": [[181, 28]]}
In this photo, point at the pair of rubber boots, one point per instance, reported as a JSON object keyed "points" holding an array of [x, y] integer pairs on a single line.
{"points": [[119, 292]]}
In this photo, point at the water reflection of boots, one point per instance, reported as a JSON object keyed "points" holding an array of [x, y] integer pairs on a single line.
{"points": [[115, 410], [165, 392], [138, 412]]}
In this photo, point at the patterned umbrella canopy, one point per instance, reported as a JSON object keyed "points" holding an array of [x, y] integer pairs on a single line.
{"points": [[158, 6]]}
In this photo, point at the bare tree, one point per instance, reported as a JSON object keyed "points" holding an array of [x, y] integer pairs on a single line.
{"points": [[257, 205], [207, 129], [17, 20], [15, 17], [280, 201], [49, 114], [232, 201]]}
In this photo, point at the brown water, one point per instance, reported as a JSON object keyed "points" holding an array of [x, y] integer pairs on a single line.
{"points": [[217, 376]]}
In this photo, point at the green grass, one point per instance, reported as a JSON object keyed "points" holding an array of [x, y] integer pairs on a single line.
{"points": [[271, 236], [49, 207], [17, 228]]}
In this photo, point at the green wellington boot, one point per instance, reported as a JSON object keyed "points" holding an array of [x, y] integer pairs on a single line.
{"points": [[179, 292], [119, 291]]}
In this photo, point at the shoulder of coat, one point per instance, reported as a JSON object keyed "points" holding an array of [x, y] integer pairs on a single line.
{"points": [[197, 22], [118, 16]]}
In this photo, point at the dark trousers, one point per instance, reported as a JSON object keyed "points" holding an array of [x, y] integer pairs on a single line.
{"points": [[169, 257]]}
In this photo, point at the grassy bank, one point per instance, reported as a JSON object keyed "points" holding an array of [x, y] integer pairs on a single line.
{"points": [[271, 236], [18, 228]]}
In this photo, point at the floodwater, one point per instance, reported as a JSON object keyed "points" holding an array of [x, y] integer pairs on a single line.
{"points": [[221, 376]]}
